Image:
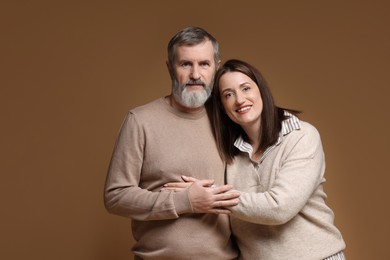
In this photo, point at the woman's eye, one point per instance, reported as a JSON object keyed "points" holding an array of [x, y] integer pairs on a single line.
{"points": [[229, 94]]}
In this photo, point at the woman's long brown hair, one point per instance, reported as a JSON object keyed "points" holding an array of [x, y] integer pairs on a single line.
{"points": [[225, 130]]}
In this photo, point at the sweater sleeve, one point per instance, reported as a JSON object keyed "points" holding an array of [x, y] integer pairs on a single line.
{"points": [[122, 193], [300, 173]]}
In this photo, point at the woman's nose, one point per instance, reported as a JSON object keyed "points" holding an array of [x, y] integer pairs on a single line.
{"points": [[239, 98]]}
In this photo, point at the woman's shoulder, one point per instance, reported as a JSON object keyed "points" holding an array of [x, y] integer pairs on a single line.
{"points": [[309, 128], [305, 131]]}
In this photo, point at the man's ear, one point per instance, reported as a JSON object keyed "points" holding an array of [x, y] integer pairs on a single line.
{"points": [[170, 70], [218, 64]]}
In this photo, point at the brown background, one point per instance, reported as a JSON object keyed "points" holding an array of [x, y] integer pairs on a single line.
{"points": [[71, 69]]}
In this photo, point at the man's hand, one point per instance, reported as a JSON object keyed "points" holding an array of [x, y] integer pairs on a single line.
{"points": [[205, 197]]}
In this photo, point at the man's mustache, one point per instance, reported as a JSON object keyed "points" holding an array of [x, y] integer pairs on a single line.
{"points": [[195, 82]]}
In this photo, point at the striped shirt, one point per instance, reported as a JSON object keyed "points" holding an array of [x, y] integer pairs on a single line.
{"points": [[338, 256], [288, 125]]}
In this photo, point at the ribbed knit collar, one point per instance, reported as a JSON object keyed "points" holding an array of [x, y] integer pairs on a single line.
{"points": [[182, 114], [288, 125]]}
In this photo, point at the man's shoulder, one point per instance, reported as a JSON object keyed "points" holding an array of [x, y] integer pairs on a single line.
{"points": [[152, 106]]}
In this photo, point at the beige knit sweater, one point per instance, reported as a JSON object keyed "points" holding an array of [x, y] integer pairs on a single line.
{"points": [[158, 144], [282, 212]]}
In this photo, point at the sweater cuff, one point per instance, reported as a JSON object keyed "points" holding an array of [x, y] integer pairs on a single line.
{"points": [[182, 202]]}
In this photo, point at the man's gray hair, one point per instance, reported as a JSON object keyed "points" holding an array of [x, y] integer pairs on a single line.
{"points": [[191, 36]]}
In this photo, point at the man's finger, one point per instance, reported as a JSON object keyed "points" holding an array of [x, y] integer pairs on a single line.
{"points": [[172, 189], [189, 179], [226, 203], [205, 183], [222, 189], [227, 196], [219, 211], [177, 185]]}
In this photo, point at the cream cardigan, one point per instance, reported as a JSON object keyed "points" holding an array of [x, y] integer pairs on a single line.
{"points": [[282, 212]]}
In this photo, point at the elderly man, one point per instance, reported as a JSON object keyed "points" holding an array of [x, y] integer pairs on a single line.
{"points": [[159, 143]]}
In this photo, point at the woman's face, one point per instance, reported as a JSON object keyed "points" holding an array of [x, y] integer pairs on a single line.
{"points": [[241, 99]]}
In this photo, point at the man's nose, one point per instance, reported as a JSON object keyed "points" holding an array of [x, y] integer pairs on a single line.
{"points": [[195, 74]]}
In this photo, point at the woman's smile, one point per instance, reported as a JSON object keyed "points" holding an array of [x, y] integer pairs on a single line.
{"points": [[241, 99]]}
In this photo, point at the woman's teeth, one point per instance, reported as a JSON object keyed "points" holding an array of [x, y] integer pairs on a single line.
{"points": [[244, 109]]}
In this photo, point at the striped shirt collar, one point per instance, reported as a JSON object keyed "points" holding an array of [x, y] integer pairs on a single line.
{"points": [[288, 125]]}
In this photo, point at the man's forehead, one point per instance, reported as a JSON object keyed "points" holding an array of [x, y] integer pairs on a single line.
{"points": [[200, 52]]}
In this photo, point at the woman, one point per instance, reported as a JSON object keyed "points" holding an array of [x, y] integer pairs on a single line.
{"points": [[277, 163]]}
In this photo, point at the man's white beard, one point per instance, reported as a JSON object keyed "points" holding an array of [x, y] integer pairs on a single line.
{"points": [[191, 99]]}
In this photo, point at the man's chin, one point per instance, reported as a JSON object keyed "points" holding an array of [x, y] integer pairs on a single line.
{"points": [[194, 101]]}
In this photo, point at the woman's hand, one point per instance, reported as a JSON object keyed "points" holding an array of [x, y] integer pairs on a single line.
{"points": [[205, 197]]}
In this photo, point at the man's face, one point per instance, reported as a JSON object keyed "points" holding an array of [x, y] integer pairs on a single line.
{"points": [[194, 69]]}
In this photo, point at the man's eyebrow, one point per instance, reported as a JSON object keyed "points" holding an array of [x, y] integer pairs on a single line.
{"points": [[191, 61], [184, 60]]}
